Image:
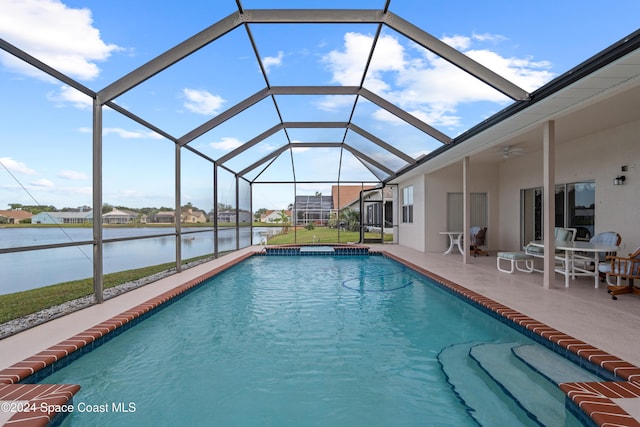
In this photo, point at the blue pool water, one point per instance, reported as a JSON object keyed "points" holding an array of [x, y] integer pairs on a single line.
{"points": [[312, 341]]}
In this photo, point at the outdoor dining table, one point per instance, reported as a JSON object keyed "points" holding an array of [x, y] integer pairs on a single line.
{"points": [[455, 239], [589, 254]]}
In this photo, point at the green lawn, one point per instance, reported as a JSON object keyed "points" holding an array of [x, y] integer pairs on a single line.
{"points": [[19, 304], [322, 235]]}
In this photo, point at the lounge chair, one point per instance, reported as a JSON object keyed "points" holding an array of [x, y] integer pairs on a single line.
{"points": [[561, 234]]}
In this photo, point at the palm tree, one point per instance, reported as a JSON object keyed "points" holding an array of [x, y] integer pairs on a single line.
{"points": [[351, 218], [284, 219]]}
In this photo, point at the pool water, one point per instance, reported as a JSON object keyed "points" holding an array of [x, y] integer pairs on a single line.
{"points": [[313, 341]]}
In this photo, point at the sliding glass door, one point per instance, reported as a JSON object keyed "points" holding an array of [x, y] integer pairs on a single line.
{"points": [[575, 204]]}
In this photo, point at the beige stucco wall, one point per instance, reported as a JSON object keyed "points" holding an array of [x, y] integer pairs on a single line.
{"points": [[410, 234], [598, 157], [482, 179]]}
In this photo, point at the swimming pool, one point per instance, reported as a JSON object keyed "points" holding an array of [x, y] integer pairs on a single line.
{"points": [[330, 340]]}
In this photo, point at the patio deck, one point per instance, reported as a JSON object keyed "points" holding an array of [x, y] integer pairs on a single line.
{"points": [[581, 311]]}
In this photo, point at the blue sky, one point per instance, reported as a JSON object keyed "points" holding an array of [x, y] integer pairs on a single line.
{"points": [[45, 138]]}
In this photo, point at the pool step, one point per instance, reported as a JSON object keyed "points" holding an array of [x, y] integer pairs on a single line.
{"points": [[552, 366], [511, 383], [541, 399], [481, 394]]}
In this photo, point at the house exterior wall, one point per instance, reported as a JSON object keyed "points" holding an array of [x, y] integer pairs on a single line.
{"points": [[482, 179], [596, 157], [45, 218], [62, 218], [274, 216], [412, 234], [14, 216]]}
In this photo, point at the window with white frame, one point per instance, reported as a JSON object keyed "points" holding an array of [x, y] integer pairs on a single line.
{"points": [[407, 204]]}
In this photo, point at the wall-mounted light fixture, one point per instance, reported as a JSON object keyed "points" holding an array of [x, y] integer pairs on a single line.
{"points": [[619, 180]]}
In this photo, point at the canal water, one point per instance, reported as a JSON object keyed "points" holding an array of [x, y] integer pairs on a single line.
{"points": [[20, 271]]}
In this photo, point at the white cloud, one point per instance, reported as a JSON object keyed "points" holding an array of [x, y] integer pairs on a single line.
{"points": [[127, 134], [272, 61], [489, 37], [42, 183], [300, 149], [16, 166], [426, 85], [334, 102], [202, 102], [458, 42], [60, 36], [347, 65], [69, 95], [524, 72], [226, 143], [72, 175]]}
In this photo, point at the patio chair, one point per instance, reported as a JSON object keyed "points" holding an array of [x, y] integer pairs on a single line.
{"points": [[478, 236], [608, 238], [621, 268], [582, 234]]}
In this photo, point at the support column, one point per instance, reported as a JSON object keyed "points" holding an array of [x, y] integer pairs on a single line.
{"points": [[549, 201], [237, 212], [466, 206], [251, 213], [178, 216], [98, 266], [215, 211]]}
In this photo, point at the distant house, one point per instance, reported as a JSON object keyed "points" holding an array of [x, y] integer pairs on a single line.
{"points": [[120, 216], [275, 216], [347, 196], [229, 216], [83, 217], [14, 216], [313, 209], [378, 206], [193, 216], [165, 217]]}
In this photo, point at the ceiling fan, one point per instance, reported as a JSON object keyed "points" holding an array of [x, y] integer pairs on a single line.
{"points": [[509, 151]]}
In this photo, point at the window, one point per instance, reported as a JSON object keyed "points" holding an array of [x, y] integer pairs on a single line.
{"points": [[575, 204], [407, 204], [581, 202]]}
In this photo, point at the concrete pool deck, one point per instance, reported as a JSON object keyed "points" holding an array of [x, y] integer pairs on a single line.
{"points": [[580, 311]]}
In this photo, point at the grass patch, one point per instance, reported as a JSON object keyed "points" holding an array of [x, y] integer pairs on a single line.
{"points": [[19, 304], [322, 235]]}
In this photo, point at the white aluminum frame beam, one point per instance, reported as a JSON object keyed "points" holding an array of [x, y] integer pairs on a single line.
{"points": [[353, 16], [357, 129], [170, 57], [361, 156], [224, 116], [249, 144], [403, 115], [271, 155], [455, 57]]}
